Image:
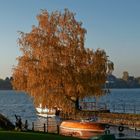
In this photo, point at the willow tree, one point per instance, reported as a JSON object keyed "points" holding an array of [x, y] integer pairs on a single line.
{"points": [[55, 68]]}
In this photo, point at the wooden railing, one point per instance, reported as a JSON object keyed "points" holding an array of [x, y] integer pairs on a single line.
{"points": [[113, 107], [52, 127], [48, 127]]}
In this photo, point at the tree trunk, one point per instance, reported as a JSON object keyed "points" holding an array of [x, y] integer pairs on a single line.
{"points": [[77, 104]]}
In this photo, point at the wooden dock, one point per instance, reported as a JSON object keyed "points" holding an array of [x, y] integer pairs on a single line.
{"points": [[130, 120]]}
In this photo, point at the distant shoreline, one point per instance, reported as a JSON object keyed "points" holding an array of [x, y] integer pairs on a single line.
{"points": [[112, 83]]}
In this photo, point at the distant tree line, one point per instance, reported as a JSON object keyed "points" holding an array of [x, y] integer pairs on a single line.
{"points": [[113, 82], [5, 84], [125, 81]]}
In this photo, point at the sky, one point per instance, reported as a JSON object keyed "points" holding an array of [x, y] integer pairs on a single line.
{"points": [[112, 25]]}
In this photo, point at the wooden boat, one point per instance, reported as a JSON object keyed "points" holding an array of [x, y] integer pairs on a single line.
{"points": [[81, 129]]}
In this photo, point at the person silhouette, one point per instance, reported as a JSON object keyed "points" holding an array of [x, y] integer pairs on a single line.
{"points": [[18, 123]]}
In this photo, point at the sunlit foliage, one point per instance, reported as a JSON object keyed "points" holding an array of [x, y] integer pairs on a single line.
{"points": [[55, 68]]}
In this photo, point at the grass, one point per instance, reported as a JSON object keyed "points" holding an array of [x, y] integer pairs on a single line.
{"points": [[13, 135]]}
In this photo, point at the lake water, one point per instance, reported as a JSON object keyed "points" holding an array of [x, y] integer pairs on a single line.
{"points": [[121, 100], [19, 103]]}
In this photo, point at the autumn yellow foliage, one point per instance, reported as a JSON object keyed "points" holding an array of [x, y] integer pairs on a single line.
{"points": [[55, 68]]}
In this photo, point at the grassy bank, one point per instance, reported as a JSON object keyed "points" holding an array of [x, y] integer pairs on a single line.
{"points": [[12, 135]]}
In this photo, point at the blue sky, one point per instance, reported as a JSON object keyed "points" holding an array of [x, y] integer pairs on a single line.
{"points": [[112, 25]]}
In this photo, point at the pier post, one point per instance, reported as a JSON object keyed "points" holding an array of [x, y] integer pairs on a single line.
{"points": [[135, 131], [134, 109], [113, 106], [124, 108], [44, 127], [47, 124], [57, 129], [32, 126]]}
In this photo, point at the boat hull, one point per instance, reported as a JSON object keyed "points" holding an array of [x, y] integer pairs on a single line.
{"points": [[45, 115], [81, 129]]}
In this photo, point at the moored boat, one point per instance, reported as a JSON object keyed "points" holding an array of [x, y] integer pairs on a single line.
{"points": [[45, 112], [81, 129]]}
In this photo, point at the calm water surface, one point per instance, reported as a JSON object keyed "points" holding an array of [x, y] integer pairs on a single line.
{"points": [[127, 98], [19, 103]]}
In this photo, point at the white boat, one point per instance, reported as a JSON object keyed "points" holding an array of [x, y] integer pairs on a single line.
{"points": [[45, 112]]}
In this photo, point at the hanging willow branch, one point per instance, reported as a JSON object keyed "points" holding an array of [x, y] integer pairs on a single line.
{"points": [[55, 68]]}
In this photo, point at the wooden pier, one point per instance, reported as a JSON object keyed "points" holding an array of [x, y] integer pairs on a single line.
{"points": [[113, 107], [129, 120], [114, 124]]}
